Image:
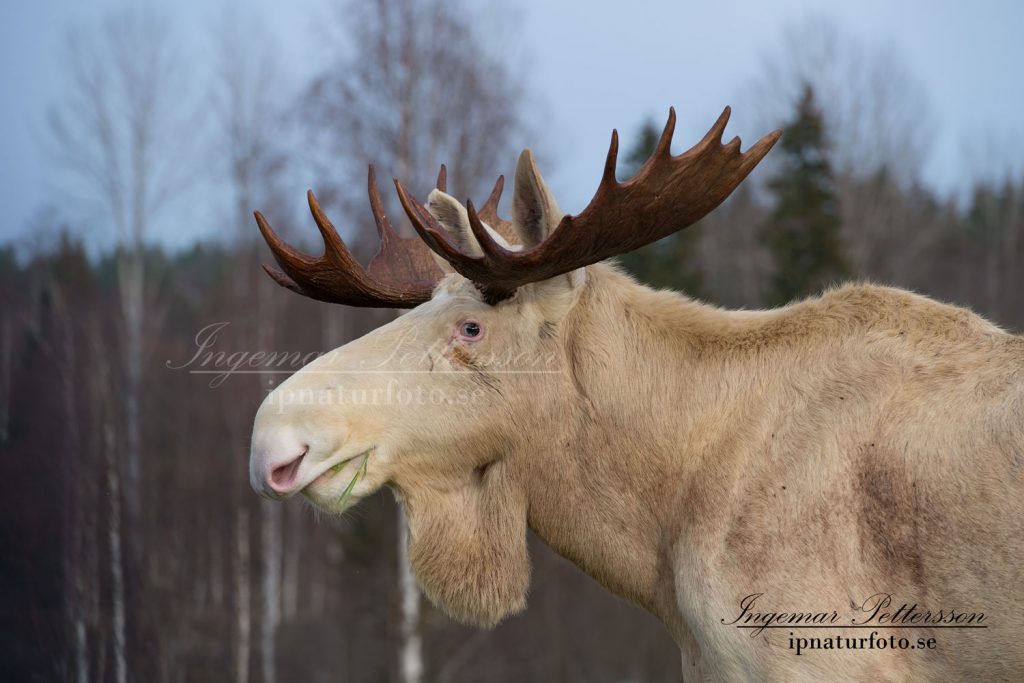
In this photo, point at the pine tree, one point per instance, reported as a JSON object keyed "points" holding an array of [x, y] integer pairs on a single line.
{"points": [[802, 233], [671, 262]]}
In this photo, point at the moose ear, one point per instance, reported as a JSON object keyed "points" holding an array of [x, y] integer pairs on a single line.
{"points": [[453, 217], [535, 212]]}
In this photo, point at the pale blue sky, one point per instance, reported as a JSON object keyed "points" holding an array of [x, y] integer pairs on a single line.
{"points": [[593, 65]]}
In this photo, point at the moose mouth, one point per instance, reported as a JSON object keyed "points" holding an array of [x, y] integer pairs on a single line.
{"points": [[287, 478], [336, 469]]}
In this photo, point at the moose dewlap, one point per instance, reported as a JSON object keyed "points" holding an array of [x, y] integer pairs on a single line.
{"points": [[864, 443]]}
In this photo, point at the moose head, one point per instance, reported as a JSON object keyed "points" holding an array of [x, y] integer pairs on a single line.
{"points": [[516, 392]]}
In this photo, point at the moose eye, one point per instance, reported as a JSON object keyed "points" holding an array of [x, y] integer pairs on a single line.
{"points": [[470, 330]]}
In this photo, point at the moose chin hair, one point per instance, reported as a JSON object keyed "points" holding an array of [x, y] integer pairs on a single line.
{"points": [[481, 595], [468, 551]]}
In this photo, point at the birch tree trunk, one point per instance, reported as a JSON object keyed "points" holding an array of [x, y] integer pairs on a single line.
{"points": [[271, 549], [116, 555], [271, 513], [120, 131], [75, 517], [411, 657], [243, 613], [132, 283], [6, 350]]}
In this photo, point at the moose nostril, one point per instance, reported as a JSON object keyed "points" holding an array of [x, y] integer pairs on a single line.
{"points": [[283, 476]]}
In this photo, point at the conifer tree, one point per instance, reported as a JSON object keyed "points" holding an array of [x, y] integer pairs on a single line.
{"points": [[802, 232]]}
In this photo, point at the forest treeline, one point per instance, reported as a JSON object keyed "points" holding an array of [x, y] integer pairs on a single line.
{"points": [[134, 548]]}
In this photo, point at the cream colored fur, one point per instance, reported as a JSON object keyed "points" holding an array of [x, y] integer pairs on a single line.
{"points": [[868, 440]]}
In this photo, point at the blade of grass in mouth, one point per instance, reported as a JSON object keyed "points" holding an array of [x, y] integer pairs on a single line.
{"points": [[360, 473]]}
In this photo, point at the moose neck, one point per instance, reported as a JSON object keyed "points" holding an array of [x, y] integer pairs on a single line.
{"points": [[609, 492]]}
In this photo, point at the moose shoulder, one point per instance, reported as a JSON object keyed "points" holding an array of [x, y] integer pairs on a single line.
{"points": [[858, 447]]}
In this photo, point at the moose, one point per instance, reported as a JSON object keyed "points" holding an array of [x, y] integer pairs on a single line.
{"points": [[845, 473]]}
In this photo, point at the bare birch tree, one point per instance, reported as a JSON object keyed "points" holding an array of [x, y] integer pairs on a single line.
{"points": [[249, 145], [412, 85], [250, 126], [875, 108], [119, 128]]}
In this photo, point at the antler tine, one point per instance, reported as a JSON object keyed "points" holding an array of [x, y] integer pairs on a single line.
{"points": [[282, 252], [427, 226], [286, 256], [752, 157], [385, 230], [334, 247], [719, 128], [713, 138], [667, 194], [662, 150], [276, 244], [490, 207], [281, 279], [608, 176], [489, 213], [487, 243], [664, 147]]}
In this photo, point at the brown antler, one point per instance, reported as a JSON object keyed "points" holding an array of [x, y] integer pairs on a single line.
{"points": [[489, 211], [667, 194], [401, 275]]}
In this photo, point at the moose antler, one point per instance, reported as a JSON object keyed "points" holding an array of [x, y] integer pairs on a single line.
{"points": [[401, 275], [489, 211], [667, 194]]}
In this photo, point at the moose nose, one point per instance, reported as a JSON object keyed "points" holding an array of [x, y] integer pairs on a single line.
{"points": [[275, 462], [282, 477]]}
